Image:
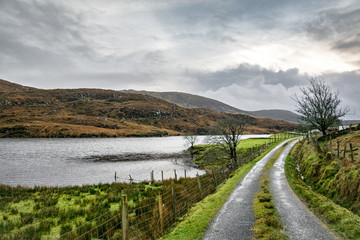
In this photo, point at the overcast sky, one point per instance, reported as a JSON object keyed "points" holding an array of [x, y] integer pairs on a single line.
{"points": [[251, 54]]}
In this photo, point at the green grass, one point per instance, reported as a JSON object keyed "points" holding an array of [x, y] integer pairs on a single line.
{"points": [[32, 213], [268, 223], [199, 217], [209, 156], [342, 221], [251, 142]]}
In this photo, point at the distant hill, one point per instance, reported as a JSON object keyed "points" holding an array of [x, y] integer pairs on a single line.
{"points": [[187, 100], [31, 112], [194, 101], [276, 114], [350, 122]]}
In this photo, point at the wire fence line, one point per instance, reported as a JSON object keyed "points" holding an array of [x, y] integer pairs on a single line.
{"points": [[152, 216]]}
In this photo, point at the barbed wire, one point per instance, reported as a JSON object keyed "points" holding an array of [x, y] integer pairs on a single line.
{"points": [[85, 224], [119, 223], [98, 226]]}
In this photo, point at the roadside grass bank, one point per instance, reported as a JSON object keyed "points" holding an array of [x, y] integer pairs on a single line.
{"points": [[199, 217], [332, 168], [268, 223], [341, 220]]}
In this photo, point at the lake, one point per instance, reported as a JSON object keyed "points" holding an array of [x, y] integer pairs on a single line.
{"points": [[79, 161]]}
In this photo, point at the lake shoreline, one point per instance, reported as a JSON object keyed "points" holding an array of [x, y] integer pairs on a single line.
{"points": [[78, 161]]}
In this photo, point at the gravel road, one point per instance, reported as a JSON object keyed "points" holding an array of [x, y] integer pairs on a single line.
{"points": [[236, 218], [299, 222]]}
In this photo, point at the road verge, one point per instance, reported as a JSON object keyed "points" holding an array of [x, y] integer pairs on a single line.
{"points": [[342, 221]]}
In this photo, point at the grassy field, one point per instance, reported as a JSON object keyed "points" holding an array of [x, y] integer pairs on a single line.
{"points": [[47, 213]]}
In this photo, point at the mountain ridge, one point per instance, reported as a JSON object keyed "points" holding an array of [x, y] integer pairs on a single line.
{"points": [[195, 101], [32, 112]]}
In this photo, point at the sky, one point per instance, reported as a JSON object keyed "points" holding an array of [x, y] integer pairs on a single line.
{"points": [[250, 54]]}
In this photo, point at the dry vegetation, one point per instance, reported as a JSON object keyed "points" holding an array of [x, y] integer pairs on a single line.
{"points": [[30, 112]]}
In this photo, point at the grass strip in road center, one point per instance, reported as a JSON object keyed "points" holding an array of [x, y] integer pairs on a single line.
{"points": [[268, 223]]}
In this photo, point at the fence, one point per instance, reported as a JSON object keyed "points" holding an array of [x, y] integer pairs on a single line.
{"points": [[151, 217], [343, 149]]}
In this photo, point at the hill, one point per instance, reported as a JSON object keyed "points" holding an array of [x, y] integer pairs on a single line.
{"points": [[187, 100], [194, 101], [276, 114], [31, 112]]}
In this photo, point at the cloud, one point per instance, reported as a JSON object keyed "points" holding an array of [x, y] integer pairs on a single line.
{"points": [[256, 47], [250, 75], [348, 84], [250, 87], [339, 28]]}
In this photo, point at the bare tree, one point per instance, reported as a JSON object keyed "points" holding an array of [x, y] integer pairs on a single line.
{"points": [[227, 134], [319, 105], [191, 139]]}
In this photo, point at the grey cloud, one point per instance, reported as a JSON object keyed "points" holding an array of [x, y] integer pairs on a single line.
{"points": [[348, 84], [350, 44], [242, 86], [44, 25], [339, 26], [248, 74], [20, 57]]}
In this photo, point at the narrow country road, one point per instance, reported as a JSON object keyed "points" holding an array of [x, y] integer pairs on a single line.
{"points": [[236, 218], [299, 222]]}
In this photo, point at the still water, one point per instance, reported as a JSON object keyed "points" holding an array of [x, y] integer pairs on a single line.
{"points": [[75, 161]]}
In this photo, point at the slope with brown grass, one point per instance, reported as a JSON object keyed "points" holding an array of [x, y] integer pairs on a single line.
{"points": [[31, 112]]}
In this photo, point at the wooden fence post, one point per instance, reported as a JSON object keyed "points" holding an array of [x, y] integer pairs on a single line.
{"points": [[162, 176], [173, 195], [184, 173], [152, 176], [345, 150], [223, 173], [175, 175], [161, 215], [199, 184], [125, 217], [338, 149], [214, 177], [351, 152]]}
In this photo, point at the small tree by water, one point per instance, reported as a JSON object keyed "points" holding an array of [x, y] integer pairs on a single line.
{"points": [[191, 140], [227, 134]]}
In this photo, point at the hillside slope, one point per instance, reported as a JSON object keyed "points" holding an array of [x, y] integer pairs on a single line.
{"points": [[335, 176], [187, 100], [194, 101], [31, 112], [276, 114]]}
